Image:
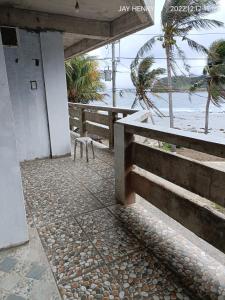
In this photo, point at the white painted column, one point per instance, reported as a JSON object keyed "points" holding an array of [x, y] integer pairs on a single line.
{"points": [[13, 226], [56, 92]]}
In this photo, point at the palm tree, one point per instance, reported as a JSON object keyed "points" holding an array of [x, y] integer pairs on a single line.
{"points": [[83, 80], [214, 78], [144, 79], [177, 25]]}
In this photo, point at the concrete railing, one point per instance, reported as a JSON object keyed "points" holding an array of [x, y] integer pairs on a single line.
{"points": [[187, 190], [98, 120]]}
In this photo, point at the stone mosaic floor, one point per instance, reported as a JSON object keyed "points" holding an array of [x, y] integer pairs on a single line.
{"points": [[92, 252]]}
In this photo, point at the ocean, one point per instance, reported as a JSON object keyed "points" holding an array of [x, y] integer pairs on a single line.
{"points": [[189, 113]]}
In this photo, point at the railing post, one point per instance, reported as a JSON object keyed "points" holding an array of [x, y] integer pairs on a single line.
{"points": [[70, 124], [81, 122], [112, 119], [123, 164]]}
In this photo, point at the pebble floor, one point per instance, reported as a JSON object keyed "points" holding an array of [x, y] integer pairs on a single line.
{"points": [[92, 253]]}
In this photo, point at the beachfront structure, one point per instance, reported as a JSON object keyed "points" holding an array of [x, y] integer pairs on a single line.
{"points": [[73, 207], [36, 37]]}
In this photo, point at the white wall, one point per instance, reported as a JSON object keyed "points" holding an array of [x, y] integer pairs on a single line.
{"points": [[13, 228], [32, 122], [56, 92], [29, 106], [41, 116]]}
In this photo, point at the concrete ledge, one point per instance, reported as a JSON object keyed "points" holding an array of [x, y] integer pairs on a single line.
{"points": [[198, 214], [182, 251], [192, 175], [11, 246], [61, 156]]}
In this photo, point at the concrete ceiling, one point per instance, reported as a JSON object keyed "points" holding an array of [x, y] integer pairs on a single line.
{"points": [[97, 22], [70, 39], [90, 9]]}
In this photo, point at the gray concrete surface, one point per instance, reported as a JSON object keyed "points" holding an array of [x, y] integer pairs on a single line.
{"points": [[25, 273], [56, 92], [13, 228], [94, 25], [41, 115], [29, 106], [216, 164]]}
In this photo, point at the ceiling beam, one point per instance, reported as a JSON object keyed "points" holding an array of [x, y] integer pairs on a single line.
{"points": [[91, 29], [129, 23], [144, 9], [82, 47], [126, 24]]}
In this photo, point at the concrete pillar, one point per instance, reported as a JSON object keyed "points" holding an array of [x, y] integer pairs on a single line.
{"points": [[112, 120], [13, 226], [82, 129], [56, 92], [123, 164]]}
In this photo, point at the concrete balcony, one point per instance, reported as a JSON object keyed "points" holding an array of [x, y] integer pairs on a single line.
{"points": [[93, 245], [91, 250], [84, 245], [98, 249]]}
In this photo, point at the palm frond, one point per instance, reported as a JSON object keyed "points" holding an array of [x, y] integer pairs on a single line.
{"points": [[144, 65], [203, 24], [217, 52], [217, 94], [141, 102], [143, 78], [152, 75], [172, 62], [135, 103], [146, 47], [84, 79], [196, 46], [151, 106], [181, 54], [133, 74]]}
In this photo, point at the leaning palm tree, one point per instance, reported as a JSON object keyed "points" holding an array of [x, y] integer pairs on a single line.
{"points": [[84, 80], [214, 78], [144, 79], [177, 25]]}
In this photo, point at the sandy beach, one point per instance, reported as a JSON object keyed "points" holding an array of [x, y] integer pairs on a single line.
{"points": [[189, 115], [194, 122]]}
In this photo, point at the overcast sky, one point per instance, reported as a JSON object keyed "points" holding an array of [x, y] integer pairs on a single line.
{"points": [[131, 44]]}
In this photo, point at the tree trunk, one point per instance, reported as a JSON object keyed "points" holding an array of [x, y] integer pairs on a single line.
{"points": [[207, 112], [145, 98], [169, 77]]}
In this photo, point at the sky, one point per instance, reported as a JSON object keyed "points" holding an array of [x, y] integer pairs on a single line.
{"points": [[131, 44]]}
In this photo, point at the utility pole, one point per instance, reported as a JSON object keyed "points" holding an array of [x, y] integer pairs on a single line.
{"points": [[113, 74]]}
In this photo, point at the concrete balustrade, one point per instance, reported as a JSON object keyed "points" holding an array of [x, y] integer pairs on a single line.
{"points": [[97, 120], [188, 191]]}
